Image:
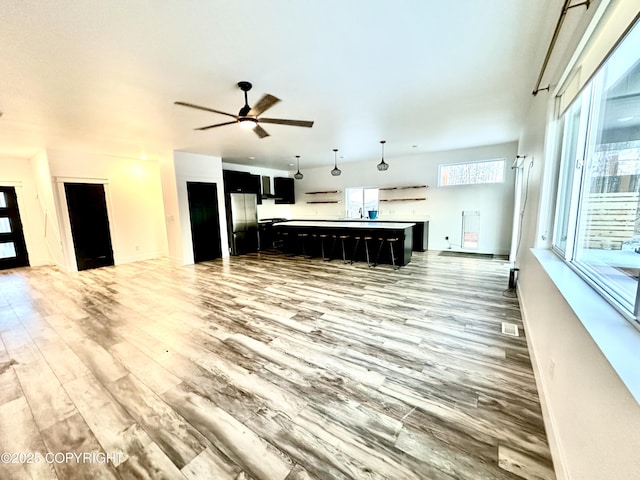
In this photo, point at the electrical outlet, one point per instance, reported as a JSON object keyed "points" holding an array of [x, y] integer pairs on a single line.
{"points": [[552, 369]]}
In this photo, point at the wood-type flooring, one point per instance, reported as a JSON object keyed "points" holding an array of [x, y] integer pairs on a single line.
{"points": [[267, 367]]}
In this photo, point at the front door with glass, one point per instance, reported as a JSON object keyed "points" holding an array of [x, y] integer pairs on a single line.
{"points": [[13, 251]]}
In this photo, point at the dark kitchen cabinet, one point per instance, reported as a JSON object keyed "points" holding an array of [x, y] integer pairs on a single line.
{"points": [[243, 182], [284, 190], [421, 236]]}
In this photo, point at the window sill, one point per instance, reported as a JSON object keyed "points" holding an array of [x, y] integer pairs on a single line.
{"points": [[617, 339]]}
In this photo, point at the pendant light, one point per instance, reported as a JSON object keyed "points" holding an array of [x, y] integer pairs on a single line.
{"points": [[382, 166], [336, 171], [298, 175]]}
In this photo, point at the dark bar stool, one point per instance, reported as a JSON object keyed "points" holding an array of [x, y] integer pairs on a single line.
{"points": [[344, 250], [365, 239], [285, 243], [342, 237], [333, 244], [321, 237], [302, 238], [391, 241]]}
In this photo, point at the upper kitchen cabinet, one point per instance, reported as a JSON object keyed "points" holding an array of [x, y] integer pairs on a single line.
{"points": [[284, 190], [243, 182]]}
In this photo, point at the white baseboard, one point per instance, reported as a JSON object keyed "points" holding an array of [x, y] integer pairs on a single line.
{"points": [[555, 444], [137, 258], [41, 262]]}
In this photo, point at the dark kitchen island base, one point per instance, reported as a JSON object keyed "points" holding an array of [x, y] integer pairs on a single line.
{"points": [[296, 242]]}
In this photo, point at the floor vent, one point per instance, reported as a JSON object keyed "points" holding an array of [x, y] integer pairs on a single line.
{"points": [[510, 329]]}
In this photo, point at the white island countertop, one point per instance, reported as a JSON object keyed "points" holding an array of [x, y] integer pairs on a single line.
{"points": [[349, 224]]}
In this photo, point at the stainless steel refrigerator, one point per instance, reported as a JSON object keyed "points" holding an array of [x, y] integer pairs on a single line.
{"points": [[243, 223]]}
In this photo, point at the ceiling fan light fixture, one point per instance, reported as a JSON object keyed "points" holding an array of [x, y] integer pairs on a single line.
{"points": [[382, 166], [247, 123], [298, 175], [336, 171]]}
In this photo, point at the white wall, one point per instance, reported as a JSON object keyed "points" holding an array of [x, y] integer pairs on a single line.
{"points": [[171, 208], [134, 201], [50, 231], [191, 167], [16, 172], [443, 207], [592, 420]]}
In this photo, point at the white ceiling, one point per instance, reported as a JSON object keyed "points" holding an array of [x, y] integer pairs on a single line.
{"points": [[424, 75]]}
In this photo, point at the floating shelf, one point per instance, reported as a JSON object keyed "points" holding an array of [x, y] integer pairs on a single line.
{"points": [[325, 201], [395, 198], [328, 191], [403, 188], [402, 199]]}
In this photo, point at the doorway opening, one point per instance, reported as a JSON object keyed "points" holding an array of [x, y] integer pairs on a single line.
{"points": [[205, 220], [89, 220]]}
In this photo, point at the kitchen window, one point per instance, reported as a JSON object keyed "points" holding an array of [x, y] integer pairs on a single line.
{"points": [[597, 227], [360, 201]]}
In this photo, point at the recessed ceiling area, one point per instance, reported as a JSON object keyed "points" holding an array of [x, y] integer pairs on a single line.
{"points": [[103, 76]]}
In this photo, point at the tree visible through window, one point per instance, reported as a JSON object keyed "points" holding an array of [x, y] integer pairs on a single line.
{"points": [[471, 173]]}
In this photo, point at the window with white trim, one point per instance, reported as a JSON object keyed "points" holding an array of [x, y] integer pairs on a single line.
{"points": [[597, 226], [361, 201]]}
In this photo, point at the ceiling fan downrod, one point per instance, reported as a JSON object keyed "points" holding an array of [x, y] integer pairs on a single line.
{"points": [[245, 87]]}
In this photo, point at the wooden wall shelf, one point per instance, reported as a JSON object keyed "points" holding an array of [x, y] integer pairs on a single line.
{"points": [[396, 198], [403, 188], [392, 199], [402, 199]]}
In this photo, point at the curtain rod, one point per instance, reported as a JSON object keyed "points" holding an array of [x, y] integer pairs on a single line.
{"points": [[554, 39]]}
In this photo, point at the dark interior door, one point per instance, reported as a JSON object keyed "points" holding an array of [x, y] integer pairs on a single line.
{"points": [[89, 224], [13, 251], [205, 221]]}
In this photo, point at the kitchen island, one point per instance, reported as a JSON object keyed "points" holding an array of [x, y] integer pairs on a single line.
{"points": [[296, 230]]}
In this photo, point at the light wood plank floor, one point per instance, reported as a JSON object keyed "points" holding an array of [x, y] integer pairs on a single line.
{"points": [[267, 367]]}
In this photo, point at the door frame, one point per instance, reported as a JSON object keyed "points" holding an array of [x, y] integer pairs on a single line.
{"points": [[70, 262], [184, 219]]}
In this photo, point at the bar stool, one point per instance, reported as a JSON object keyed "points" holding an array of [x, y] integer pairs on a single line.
{"points": [[302, 237], [391, 241], [285, 243], [366, 239], [342, 238], [344, 250], [321, 237]]}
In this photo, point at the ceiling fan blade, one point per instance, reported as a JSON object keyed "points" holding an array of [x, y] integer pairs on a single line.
{"points": [[261, 132], [206, 109], [282, 121], [216, 125], [266, 102]]}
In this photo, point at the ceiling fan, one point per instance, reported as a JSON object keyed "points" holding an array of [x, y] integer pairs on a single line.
{"points": [[248, 116]]}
